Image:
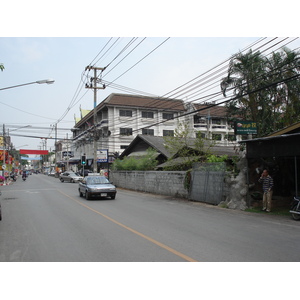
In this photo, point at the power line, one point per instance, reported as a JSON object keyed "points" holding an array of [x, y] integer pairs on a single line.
{"points": [[124, 57], [127, 45], [141, 59], [74, 103], [219, 93], [195, 90], [91, 63]]}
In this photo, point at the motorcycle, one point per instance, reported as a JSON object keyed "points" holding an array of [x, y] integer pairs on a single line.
{"points": [[295, 208]]}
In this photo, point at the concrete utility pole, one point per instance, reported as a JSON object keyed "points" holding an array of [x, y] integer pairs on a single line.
{"points": [[95, 87], [3, 153]]}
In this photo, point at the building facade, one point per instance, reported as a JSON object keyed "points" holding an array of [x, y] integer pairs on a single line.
{"points": [[121, 117]]}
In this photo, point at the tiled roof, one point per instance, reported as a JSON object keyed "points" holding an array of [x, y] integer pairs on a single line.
{"points": [[145, 102], [158, 143], [214, 111], [164, 104]]}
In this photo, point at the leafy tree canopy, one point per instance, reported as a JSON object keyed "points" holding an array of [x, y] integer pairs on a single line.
{"points": [[264, 89]]}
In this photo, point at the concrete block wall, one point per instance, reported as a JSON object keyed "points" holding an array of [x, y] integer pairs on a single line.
{"points": [[169, 183]]}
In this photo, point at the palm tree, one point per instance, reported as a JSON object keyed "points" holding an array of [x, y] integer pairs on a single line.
{"points": [[251, 78], [246, 74], [283, 65]]}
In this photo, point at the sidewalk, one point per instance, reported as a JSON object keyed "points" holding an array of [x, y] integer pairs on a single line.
{"points": [[6, 182]]}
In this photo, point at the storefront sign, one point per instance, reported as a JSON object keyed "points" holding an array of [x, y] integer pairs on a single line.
{"points": [[102, 155], [245, 127]]}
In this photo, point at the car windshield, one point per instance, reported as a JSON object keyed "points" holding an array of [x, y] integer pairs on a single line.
{"points": [[72, 174], [96, 180]]}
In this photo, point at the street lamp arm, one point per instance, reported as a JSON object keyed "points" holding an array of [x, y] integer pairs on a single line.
{"points": [[48, 81]]}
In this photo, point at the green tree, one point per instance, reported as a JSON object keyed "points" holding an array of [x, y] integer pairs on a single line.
{"points": [[251, 77], [284, 97], [187, 145], [1, 67], [144, 163], [245, 74]]}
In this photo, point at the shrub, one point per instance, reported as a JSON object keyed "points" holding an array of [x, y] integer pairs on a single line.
{"points": [[143, 163]]}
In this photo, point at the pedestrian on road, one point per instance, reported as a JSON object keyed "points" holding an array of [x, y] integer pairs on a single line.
{"points": [[267, 185]]}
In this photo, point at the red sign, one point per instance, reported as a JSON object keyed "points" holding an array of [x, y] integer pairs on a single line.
{"points": [[39, 152]]}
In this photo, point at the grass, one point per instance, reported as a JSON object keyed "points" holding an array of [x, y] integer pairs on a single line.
{"points": [[279, 211]]}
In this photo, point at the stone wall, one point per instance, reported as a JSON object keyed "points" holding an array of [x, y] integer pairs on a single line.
{"points": [[169, 183]]}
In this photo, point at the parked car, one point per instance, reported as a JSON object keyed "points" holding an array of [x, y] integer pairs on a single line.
{"points": [[86, 172], [70, 176], [94, 185], [51, 173]]}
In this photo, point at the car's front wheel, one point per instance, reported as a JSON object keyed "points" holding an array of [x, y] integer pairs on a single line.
{"points": [[61, 180], [87, 195], [80, 194]]}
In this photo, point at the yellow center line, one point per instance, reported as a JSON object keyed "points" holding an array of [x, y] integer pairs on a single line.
{"points": [[187, 258]]}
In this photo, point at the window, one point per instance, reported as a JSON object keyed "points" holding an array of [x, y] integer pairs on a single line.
{"points": [[200, 134], [125, 131], [147, 114], [230, 137], [168, 132], [200, 120], [216, 121], [123, 147], [217, 137], [125, 113], [167, 116], [147, 131]]}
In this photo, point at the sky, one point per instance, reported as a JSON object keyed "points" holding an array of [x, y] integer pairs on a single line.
{"points": [[157, 66]]}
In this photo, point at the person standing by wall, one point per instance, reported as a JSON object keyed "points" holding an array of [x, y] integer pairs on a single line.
{"points": [[267, 185]]}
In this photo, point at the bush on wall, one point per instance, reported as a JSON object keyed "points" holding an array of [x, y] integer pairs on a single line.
{"points": [[144, 163]]}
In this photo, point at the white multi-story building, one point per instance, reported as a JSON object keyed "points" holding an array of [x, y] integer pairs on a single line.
{"points": [[120, 118]]}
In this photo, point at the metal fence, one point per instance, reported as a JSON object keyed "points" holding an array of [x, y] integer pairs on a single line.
{"points": [[207, 181]]}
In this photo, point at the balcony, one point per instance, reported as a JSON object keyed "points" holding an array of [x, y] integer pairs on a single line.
{"points": [[214, 127]]}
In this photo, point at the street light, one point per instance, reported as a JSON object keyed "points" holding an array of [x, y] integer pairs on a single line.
{"points": [[48, 81]]}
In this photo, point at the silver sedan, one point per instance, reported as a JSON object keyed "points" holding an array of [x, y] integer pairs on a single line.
{"points": [[70, 177], [96, 186]]}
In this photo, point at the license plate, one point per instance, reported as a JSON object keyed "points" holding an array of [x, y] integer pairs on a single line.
{"points": [[103, 194]]}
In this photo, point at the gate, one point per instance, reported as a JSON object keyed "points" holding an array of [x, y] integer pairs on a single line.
{"points": [[207, 180]]}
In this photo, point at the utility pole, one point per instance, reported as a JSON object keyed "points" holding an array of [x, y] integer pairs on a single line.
{"points": [[95, 87], [3, 153], [56, 165]]}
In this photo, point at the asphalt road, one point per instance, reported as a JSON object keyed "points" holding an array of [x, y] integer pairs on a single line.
{"points": [[45, 220]]}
